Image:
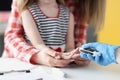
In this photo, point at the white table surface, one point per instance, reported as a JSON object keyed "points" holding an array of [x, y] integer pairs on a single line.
{"points": [[91, 72], [94, 72]]}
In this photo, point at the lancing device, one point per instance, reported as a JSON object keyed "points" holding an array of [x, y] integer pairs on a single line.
{"points": [[90, 51]]}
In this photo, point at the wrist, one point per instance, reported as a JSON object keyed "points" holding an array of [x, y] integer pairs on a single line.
{"points": [[41, 47], [117, 53], [35, 59]]}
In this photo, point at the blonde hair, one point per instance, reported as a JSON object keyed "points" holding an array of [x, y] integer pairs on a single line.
{"points": [[93, 11], [22, 4]]}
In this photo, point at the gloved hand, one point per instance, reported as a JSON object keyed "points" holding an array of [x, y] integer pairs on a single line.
{"points": [[107, 53]]}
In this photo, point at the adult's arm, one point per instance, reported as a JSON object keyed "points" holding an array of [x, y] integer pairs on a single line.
{"points": [[15, 45], [107, 53]]}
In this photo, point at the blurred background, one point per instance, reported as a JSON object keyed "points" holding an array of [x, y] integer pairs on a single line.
{"points": [[109, 34], [111, 30], [5, 7]]}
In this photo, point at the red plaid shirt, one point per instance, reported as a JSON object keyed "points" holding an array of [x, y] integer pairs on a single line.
{"points": [[80, 28], [15, 45]]}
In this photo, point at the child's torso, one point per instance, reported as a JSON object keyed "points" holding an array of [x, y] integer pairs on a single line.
{"points": [[53, 30]]}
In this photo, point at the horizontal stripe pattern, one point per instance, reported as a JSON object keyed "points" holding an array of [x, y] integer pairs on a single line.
{"points": [[52, 30]]}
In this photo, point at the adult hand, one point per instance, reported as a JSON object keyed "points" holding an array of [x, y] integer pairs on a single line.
{"points": [[46, 59], [107, 53]]}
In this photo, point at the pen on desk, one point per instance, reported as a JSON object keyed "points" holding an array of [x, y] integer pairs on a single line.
{"points": [[2, 73], [39, 79]]}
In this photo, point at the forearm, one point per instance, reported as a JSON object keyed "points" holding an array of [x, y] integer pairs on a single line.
{"points": [[17, 47], [46, 50], [118, 55], [70, 49]]}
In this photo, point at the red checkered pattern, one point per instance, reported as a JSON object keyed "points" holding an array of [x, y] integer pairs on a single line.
{"points": [[80, 28], [15, 45]]}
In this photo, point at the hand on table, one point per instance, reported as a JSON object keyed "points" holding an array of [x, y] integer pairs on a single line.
{"points": [[59, 60], [46, 59]]}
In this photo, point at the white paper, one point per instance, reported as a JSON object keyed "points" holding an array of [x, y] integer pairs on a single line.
{"points": [[37, 72]]}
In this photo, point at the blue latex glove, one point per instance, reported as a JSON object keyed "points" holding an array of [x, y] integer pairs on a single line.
{"points": [[107, 53]]}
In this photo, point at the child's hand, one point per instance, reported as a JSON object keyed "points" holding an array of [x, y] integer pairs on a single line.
{"points": [[71, 55], [46, 59], [52, 53]]}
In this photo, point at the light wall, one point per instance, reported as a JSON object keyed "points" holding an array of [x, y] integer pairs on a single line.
{"points": [[111, 31]]}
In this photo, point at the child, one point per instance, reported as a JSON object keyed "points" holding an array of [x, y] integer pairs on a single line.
{"points": [[47, 24]]}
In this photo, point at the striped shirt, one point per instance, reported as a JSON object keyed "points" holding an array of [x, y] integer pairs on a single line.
{"points": [[53, 30]]}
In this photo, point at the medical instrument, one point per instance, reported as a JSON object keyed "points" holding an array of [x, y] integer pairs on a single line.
{"points": [[90, 51]]}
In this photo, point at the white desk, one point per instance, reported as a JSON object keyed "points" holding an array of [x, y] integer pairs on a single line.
{"points": [[94, 72], [91, 72]]}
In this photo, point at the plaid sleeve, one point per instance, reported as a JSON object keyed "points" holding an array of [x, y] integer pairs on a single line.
{"points": [[80, 28], [80, 34], [15, 45]]}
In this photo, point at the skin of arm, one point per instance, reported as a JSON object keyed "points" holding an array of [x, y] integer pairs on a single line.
{"points": [[70, 45], [118, 55], [33, 33], [31, 29]]}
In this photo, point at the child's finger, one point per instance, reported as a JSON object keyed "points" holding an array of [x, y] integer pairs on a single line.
{"points": [[56, 55], [51, 52], [75, 56], [70, 55], [67, 55]]}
